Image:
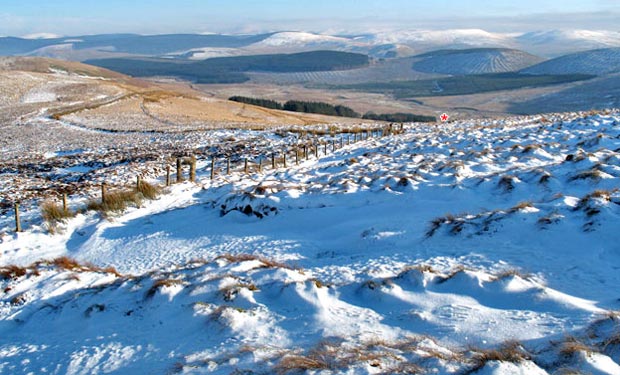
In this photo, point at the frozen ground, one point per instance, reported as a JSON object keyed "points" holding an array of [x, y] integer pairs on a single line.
{"points": [[470, 247]]}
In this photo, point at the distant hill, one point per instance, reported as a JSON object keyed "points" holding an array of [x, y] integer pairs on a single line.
{"points": [[554, 43], [131, 43], [474, 61], [46, 65], [383, 44], [231, 69], [595, 62], [98, 99]]}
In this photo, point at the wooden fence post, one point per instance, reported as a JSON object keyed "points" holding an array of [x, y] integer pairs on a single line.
{"points": [[260, 164], [341, 142], [284, 158], [228, 166], [245, 166], [192, 169], [333, 146], [138, 182], [273, 160], [316, 150], [213, 167], [296, 156], [103, 191], [18, 223], [65, 206], [179, 170], [306, 151], [168, 175]]}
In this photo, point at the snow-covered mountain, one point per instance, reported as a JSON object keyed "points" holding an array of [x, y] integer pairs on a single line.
{"points": [[596, 62], [395, 43], [475, 61], [297, 39], [440, 38], [556, 42]]}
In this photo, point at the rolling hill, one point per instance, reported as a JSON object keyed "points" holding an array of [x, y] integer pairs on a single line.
{"points": [[474, 61], [79, 95], [382, 44], [231, 69], [554, 43], [596, 62], [131, 43]]}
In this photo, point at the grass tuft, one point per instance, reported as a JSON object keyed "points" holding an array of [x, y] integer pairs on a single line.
{"points": [[54, 213], [510, 351], [116, 201], [158, 284], [267, 263], [66, 263], [298, 363], [12, 272], [148, 191], [573, 345]]}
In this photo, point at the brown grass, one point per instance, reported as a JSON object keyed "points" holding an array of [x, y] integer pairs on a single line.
{"points": [[297, 363], [66, 263], [584, 203], [510, 351], [12, 272], [592, 174], [453, 272], [404, 368], [511, 273], [422, 268], [231, 291], [506, 183], [267, 263], [19, 299], [117, 201], [158, 284], [521, 206], [530, 148], [569, 371], [148, 191], [613, 340], [572, 345], [54, 213]]}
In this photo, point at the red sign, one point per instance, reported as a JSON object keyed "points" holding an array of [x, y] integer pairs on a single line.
{"points": [[444, 117]]}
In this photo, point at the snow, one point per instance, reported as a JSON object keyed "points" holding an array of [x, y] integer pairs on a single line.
{"points": [[471, 37], [425, 248], [41, 36], [291, 39]]}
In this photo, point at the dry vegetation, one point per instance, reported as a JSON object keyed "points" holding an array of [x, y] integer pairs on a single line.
{"points": [[163, 283], [511, 351], [266, 263]]}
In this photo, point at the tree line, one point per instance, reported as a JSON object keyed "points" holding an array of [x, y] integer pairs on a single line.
{"points": [[331, 110]]}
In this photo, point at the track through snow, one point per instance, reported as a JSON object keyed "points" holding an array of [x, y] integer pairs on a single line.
{"points": [[424, 252]]}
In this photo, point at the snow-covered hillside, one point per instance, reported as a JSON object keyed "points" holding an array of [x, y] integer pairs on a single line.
{"points": [[296, 39], [596, 62], [456, 37], [485, 247], [557, 42], [475, 61]]}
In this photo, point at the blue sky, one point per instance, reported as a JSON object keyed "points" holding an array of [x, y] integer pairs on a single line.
{"points": [[72, 17]]}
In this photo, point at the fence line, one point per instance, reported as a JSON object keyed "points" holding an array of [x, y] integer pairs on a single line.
{"points": [[298, 148]]}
